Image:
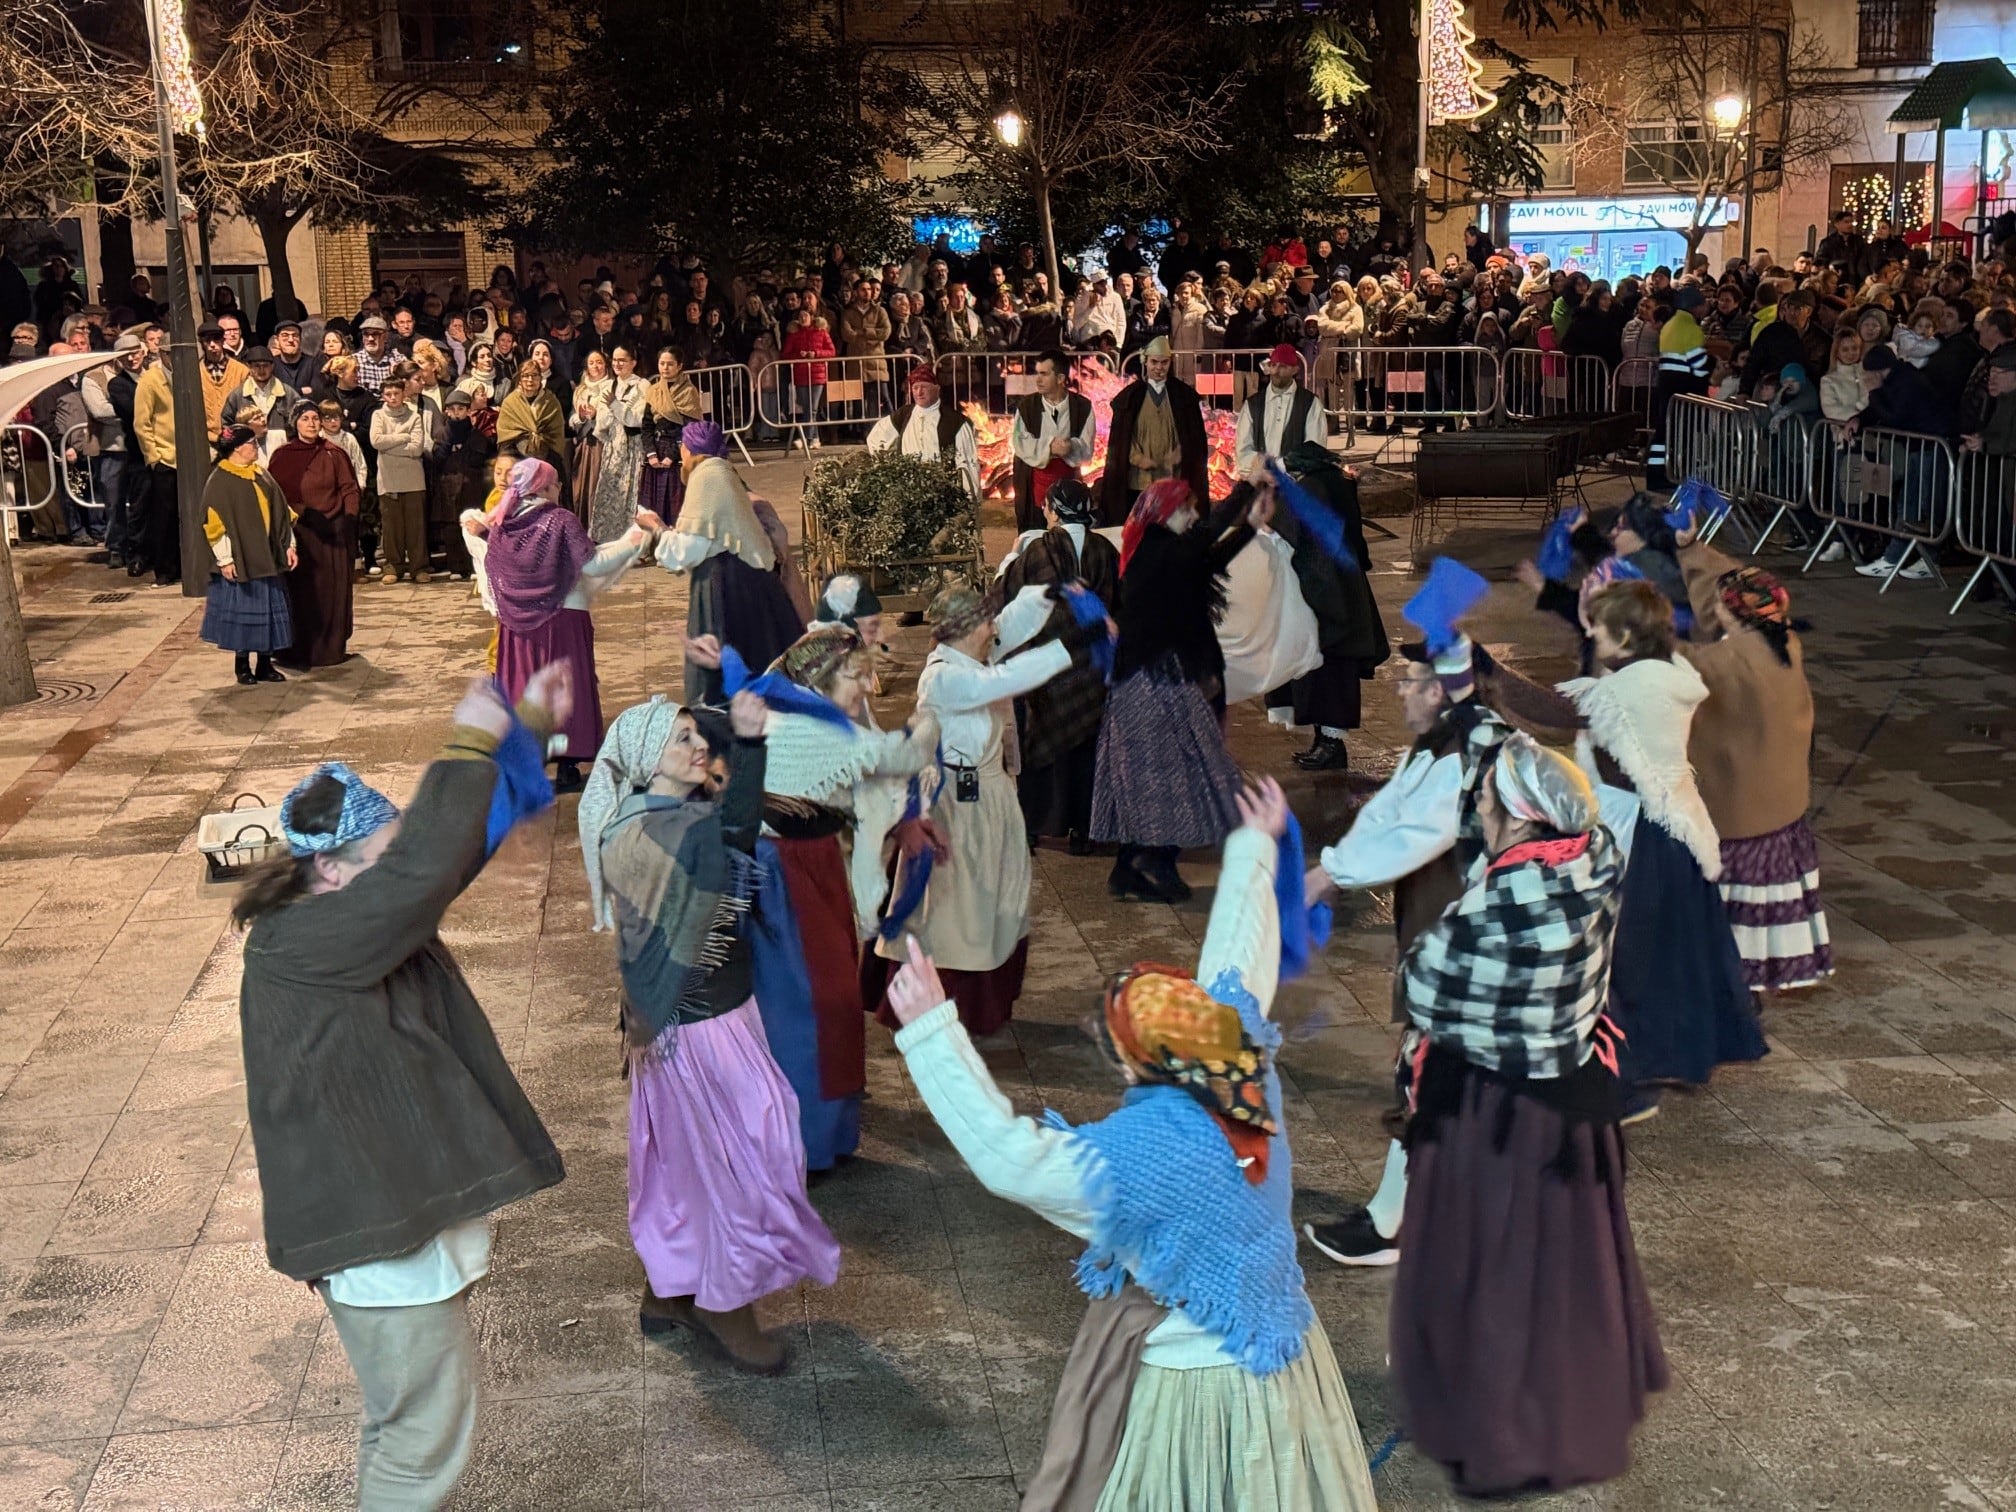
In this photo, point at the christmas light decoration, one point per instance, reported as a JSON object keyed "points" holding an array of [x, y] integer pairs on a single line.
{"points": [[1455, 92], [1868, 199], [178, 74]]}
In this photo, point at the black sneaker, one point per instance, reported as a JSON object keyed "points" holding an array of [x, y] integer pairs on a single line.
{"points": [[1352, 1240]]}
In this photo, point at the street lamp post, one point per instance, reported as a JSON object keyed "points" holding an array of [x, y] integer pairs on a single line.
{"points": [[192, 439], [1729, 112], [1014, 135]]}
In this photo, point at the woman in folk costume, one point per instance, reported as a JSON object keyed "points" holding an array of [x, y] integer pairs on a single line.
{"points": [[671, 403], [1677, 990], [530, 422], [1751, 750], [542, 573], [1523, 1341], [251, 535], [737, 593], [974, 917], [1200, 1378], [1165, 781], [321, 488], [591, 397], [1059, 728], [717, 1176], [820, 782], [619, 431]]}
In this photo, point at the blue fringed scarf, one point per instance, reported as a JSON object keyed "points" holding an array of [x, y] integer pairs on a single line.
{"points": [[1173, 1211], [523, 789], [1305, 926], [780, 693]]}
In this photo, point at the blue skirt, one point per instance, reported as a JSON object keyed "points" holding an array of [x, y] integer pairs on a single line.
{"points": [[831, 1127], [1676, 978], [250, 616]]}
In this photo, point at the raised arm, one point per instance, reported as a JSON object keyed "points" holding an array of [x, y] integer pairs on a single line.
{"points": [[949, 689], [1406, 824], [1245, 930]]}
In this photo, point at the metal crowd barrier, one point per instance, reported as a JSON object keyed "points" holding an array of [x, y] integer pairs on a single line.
{"points": [[1895, 483], [1984, 519], [1225, 377], [1784, 474], [852, 395], [1714, 441], [728, 398], [1427, 384], [1631, 387], [1543, 385], [17, 482], [996, 381]]}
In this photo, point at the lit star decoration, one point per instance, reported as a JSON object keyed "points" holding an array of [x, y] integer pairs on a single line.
{"points": [[178, 76], [1454, 93]]}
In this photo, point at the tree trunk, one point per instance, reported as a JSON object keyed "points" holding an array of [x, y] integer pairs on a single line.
{"points": [[115, 259], [1390, 144], [1049, 231], [17, 668], [275, 226]]}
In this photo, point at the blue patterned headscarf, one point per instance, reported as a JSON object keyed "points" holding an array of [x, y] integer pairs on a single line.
{"points": [[365, 810]]}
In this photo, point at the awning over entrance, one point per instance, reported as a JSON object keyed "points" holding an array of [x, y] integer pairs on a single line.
{"points": [[1978, 94]]}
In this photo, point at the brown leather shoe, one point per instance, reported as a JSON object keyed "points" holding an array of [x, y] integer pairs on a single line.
{"points": [[747, 1347]]}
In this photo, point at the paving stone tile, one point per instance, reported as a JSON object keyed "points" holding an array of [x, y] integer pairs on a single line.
{"points": [[218, 1469], [66, 1387], [29, 1215], [556, 1451], [37, 1150], [75, 1296], [149, 1210], [920, 1416], [715, 1436], [51, 1477]]}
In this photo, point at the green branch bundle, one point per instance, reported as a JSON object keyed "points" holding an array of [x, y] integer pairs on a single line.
{"points": [[907, 522]]}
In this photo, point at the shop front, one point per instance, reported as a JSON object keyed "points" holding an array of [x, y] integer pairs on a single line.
{"points": [[1613, 239]]}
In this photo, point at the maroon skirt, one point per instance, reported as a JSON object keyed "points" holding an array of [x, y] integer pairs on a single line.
{"points": [[568, 636]]}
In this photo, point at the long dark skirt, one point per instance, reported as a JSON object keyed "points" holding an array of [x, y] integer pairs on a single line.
{"points": [[319, 591], [748, 608], [1165, 777], [1057, 796], [249, 616], [568, 636], [1523, 1342], [985, 999], [1676, 982], [1330, 696], [1771, 886], [660, 490], [784, 973]]}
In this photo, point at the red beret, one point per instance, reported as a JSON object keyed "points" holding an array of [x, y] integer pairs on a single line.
{"points": [[1285, 354]]}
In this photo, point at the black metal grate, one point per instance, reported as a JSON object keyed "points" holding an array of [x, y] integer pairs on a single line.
{"points": [[1894, 33], [109, 598]]}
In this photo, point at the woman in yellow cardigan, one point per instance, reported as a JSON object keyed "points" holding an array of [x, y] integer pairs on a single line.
{"points": [[251, 535]]}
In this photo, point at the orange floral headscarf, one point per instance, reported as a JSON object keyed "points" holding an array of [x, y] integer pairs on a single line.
{"points": [[1168, 1029]]}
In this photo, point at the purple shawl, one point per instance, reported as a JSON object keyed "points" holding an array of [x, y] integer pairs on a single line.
{"points": [[534, 561]]}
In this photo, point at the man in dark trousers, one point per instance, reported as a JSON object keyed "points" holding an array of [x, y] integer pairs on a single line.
{"points": [[1054, 435], [1157, 432]]}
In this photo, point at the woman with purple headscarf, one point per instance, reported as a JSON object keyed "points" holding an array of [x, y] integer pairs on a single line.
{"points": [[542, 570], [738, 590]]}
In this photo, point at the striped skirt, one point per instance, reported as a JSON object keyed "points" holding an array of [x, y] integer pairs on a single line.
{"points": [[1771, 888], [1164, 776]]}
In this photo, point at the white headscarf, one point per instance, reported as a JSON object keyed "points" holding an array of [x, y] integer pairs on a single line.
{"points": [[627, 762]]}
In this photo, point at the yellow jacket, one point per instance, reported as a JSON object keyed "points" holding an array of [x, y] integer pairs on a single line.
{"points": [[217, 389], [154, 416]]}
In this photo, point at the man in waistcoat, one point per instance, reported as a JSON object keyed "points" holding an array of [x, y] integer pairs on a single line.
{"points": [[1053, 436], [1157, 432], [1281, 416], [929, 429]]}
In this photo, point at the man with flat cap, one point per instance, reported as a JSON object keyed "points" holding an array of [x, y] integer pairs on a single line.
{"points": [[1281, 416], [929, 429], [1157, 432]]}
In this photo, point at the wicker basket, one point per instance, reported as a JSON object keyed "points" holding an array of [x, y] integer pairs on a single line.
{"points": [[238, 839]]}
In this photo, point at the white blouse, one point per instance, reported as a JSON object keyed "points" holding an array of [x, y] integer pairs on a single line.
{"points": [[968, 696]]}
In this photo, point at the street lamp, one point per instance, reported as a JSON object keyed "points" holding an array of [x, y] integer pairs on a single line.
{"points": [[179, 104], [1727, 111], [1008, 126]]}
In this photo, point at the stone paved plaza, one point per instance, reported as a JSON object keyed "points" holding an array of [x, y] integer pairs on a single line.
{"points": [[1830, 1236]]}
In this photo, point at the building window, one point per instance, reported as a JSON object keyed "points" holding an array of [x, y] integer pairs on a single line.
{"points": [[1665, 154], [1894, 33], [1555, 141], [438, 257], [454, 38]]}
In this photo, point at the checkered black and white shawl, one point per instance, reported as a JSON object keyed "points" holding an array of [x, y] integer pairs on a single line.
{"points": [[1514, 975]]}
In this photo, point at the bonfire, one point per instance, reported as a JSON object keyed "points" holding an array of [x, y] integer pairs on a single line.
{"points": [[1100, 384]]}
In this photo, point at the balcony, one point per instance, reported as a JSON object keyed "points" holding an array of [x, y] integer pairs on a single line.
{"points": [[1894, 33]]}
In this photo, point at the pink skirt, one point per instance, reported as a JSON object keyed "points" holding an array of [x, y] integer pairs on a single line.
{"points": [[568, 636], [717, 1170]]}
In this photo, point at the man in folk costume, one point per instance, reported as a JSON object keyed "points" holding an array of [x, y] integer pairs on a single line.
{"points": [[1053, 436], [1157, 431], [1059, 726], [1349, 630], [1280, 416], [1421, 832], [1683, 369], [929, 429], [737, 594]]}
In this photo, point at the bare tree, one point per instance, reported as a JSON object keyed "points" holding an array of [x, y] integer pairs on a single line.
{"points": [[1048, 96], [1720, 99]]}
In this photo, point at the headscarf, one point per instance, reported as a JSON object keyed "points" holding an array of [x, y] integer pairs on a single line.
{"points": [[1160, 1023], [1073, 502], [1755, 597], [365, 810], [536, 555], [1543, 787], [924, 374], [703, 438], [957, 612], [813, 658], [231, 438], [626, 763], [1160, 501], [673, 398]]}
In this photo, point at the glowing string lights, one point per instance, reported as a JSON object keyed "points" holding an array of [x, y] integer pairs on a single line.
{"points": [[178, 74], [1454, 90]]}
